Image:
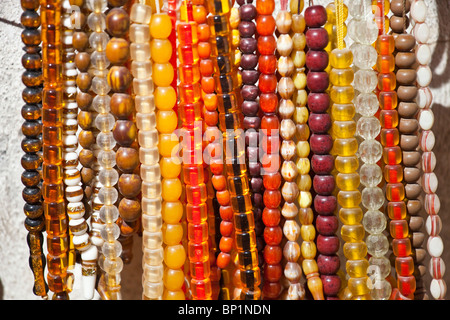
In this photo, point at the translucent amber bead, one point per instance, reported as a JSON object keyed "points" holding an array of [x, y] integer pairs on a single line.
{"points": [[174, 256], [343, 112], [355, 250], [348, 182], [341, 58], [345, 147], [351, 216], [344, 129], [346, 164], [342, 94], [341, 77], [352, 233], [160, 26], [385, 44], [357, 268], [349, 199], [163, 74], [395, 192]]}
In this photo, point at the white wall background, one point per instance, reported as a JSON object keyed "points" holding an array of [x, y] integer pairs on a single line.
{"points": [[16, 279]]}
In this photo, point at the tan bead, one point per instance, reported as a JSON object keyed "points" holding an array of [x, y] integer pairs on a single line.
{"points": [[303, 166], [291, 230], [298, 23], [305, 199], [287, 129], [306, 216], [284, 44], [289, 191], [286, 108], [289, 210], [296, 291], [301, 115], [286, 87], [304, 182], [289, 171], [308, 249], [285, 66], [291, 251], [315, 286], [303, 148], [293, 272], [287, 149], [308, 232], [283, 21]]}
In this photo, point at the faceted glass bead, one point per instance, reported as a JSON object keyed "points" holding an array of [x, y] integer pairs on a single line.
{"points": [[381, 290], [382, 266], [364, 56], [368, 127], [370, 174], [372, 198], [363, 31], [377, 244], [374, 221], [367, 104], [365, 81], [370, 151]]}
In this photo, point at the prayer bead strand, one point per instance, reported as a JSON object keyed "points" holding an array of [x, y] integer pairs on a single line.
{"points": [[58, 277], [289, 170], [31, 144], [230, 124], [217, 195], [364, 32], [250, 109], [429, 181], [190, 111], [105, 195], [322, 162], [347, 179], [270, 158], [302, 150], [74, 192], [408, 228]]}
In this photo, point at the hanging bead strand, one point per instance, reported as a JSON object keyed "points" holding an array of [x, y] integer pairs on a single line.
{"points": [[289, 170], [192, 170], [302, 150], [348, 179], [429, 181], [270, 159], [74, 192], [230, 124], [105, 195], [58, 277], [215, 183], [364, 32], [32, 143], [406, 137], [250, 109], [322, 162]]}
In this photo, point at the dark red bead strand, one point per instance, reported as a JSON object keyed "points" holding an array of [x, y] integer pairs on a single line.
{"points": [[322, 162]]}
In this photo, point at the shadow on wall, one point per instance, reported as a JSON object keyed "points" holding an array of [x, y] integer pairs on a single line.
{"points": [[441, 127], [442, 46]]}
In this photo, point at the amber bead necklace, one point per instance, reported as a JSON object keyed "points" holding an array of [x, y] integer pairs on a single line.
{"points": [[406, 137], [270, 158], [230, 119], [32, 143], [58, 277], [217, 196], [190, 111], [429, 181], [250, 110]]}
